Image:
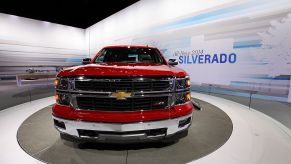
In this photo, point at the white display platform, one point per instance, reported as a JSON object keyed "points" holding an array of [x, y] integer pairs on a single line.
{"points": [[256, 138]]}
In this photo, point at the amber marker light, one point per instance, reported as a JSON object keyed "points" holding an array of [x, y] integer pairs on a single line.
{"points": [[188, 96], [56, 83], [188, 82], [57, 97]]}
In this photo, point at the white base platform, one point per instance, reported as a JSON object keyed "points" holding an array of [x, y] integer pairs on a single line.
{"points": [[256, 138]]}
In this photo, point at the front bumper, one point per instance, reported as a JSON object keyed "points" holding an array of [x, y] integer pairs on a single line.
{"points": [[119, 132]]}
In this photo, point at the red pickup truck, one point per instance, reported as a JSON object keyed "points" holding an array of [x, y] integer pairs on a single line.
{"points": [[125, 93]]}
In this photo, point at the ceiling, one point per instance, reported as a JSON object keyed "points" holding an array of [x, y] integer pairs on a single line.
{"points": [[76, 13]]}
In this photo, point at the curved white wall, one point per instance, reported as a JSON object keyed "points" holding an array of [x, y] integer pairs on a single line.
{"points": [[28, 42], [135, 20], [256, 31], [253, 36]]}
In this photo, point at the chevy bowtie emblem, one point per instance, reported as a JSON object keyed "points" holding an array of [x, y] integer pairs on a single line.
{"points": [[121, 95]]}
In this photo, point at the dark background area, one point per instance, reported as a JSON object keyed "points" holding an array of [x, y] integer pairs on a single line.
{"points": [[76, 13]]}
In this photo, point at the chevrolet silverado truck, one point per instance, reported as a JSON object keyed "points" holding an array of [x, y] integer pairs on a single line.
{"points": [[124, 94]]}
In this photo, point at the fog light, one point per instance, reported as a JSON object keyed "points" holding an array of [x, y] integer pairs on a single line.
{"points": [[60, 124], [56, 83], [184, 122], [188, 96], [62, 99]]}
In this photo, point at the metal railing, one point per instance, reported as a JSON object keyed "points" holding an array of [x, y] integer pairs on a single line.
{"points": [[272, 106], [15, 92]]}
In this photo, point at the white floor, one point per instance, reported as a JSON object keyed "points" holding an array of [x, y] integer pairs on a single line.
{"points": [[256, 138], [10, 120]]}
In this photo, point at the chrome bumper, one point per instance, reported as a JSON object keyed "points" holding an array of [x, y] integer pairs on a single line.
{"points": [[152, 130]]}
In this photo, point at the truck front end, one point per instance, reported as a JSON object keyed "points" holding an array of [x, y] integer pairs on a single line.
{"points": [[126, 103]]}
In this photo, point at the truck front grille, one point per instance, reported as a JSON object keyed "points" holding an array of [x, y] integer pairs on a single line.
{"points": [[112, 86], [130, 104]]}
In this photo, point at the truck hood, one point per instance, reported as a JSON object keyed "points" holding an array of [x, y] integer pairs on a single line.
{"points": [[123, 69]]}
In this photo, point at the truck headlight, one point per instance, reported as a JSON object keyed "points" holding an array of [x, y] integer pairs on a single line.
{"points": [[182, 97], [62, 99], [61, 83], [188, 96], [188, 83], [183, 83], [56, 83]]}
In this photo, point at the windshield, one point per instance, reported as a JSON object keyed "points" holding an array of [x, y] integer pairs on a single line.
{"points": [[130, 55]]}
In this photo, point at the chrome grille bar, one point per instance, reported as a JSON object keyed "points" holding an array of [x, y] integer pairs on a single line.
{"points": [[131, 85]]}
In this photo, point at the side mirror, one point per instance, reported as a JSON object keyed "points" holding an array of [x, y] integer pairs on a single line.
{"points": [[173, 62], [86, 61]]}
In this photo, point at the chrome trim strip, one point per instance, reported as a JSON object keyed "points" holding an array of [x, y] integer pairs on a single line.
{"points": [[81, 136], [136, 93], [132, 96], [82, 92], [129, 79], [109, 93], [123, 136]]}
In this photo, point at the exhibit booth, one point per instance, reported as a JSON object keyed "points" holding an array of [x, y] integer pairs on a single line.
{"points": [[237, 55]]}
